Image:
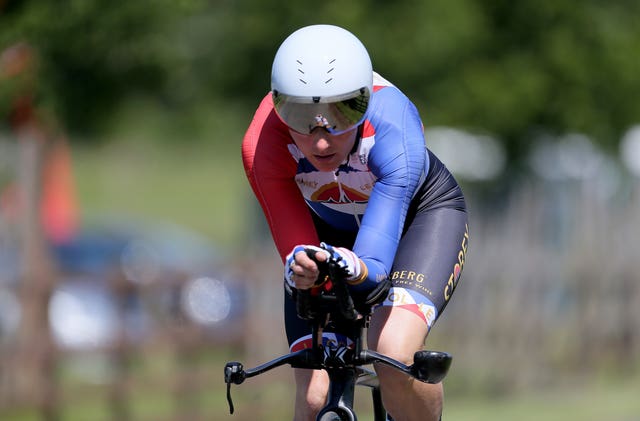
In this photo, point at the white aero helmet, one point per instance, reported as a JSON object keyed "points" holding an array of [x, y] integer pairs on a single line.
{"points": [[321, 77]]}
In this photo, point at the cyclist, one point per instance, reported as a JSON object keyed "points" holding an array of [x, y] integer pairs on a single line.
{"points": [[336, 156]]}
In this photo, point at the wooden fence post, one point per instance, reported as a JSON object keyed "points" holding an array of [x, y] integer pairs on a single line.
{"points": [[35, 357]]}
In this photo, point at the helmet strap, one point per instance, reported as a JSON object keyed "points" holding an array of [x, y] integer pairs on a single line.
{"points": [[356, 144]]}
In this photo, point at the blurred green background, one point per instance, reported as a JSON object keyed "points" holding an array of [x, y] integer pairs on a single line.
{"points": [[171, 271]]}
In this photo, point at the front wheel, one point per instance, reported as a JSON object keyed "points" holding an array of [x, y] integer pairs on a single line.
{"points": [[330, 416], [339, 414]]}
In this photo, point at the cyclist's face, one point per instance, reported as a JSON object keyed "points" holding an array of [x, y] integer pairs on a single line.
{"points": [[325, 151]]}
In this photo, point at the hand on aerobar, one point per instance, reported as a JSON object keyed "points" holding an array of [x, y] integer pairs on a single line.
{"points": [[302, 272]]}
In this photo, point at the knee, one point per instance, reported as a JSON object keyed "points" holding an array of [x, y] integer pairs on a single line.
{"points": [[315, 397], [408, 399], [311, 393], [395, 348], [392, 382]]}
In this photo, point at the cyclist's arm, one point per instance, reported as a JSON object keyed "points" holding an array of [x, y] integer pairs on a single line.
{"points": [[271, 169], [399, 160]]}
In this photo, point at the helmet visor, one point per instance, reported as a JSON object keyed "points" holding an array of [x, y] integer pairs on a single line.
{"points": [[336, 114]]}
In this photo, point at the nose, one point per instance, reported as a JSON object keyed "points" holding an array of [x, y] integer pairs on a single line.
{"points": [[321, 140]]}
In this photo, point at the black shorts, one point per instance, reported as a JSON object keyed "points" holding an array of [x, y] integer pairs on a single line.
{"points": [[429, 259]]}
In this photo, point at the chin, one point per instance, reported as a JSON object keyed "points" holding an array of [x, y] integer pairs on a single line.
{"points": [[326, 168]]}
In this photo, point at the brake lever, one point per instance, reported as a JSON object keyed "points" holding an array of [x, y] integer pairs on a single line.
{"points": [[233, 373], [345, 301], [229, 400]]}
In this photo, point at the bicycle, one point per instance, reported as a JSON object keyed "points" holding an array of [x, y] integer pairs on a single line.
{"points": [[344, 363]]}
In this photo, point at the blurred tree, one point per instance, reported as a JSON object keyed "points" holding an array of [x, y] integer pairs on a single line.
{"points": [[95, 54], [511, 69], [514, 69]]}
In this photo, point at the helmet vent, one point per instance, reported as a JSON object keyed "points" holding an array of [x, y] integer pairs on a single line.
{"points": [[330, 70], [301, 71]]}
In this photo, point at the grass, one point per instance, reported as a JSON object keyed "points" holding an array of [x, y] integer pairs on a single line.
{"points": [[611, 401], [180, 167], [196, 187]]}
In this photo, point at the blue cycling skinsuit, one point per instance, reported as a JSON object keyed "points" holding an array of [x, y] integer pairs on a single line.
{"points": [[392, 202]]}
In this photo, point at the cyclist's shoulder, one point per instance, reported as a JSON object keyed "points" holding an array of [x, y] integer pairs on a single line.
{"points": [[385, 90], [388, 102]]}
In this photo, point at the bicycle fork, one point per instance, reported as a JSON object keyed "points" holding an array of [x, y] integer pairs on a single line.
{"points": [[342, 384]]}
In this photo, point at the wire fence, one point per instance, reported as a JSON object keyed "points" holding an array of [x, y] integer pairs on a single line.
{"points": [[550, 292]]}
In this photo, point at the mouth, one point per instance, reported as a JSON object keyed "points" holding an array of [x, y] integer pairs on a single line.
{"points": [[324, 158]]}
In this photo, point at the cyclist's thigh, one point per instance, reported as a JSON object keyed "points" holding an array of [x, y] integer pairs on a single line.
{"points": [[428, 262], [396, 332]]}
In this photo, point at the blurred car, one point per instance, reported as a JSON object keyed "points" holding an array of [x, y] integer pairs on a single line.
{"points": [[124, 278]]}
